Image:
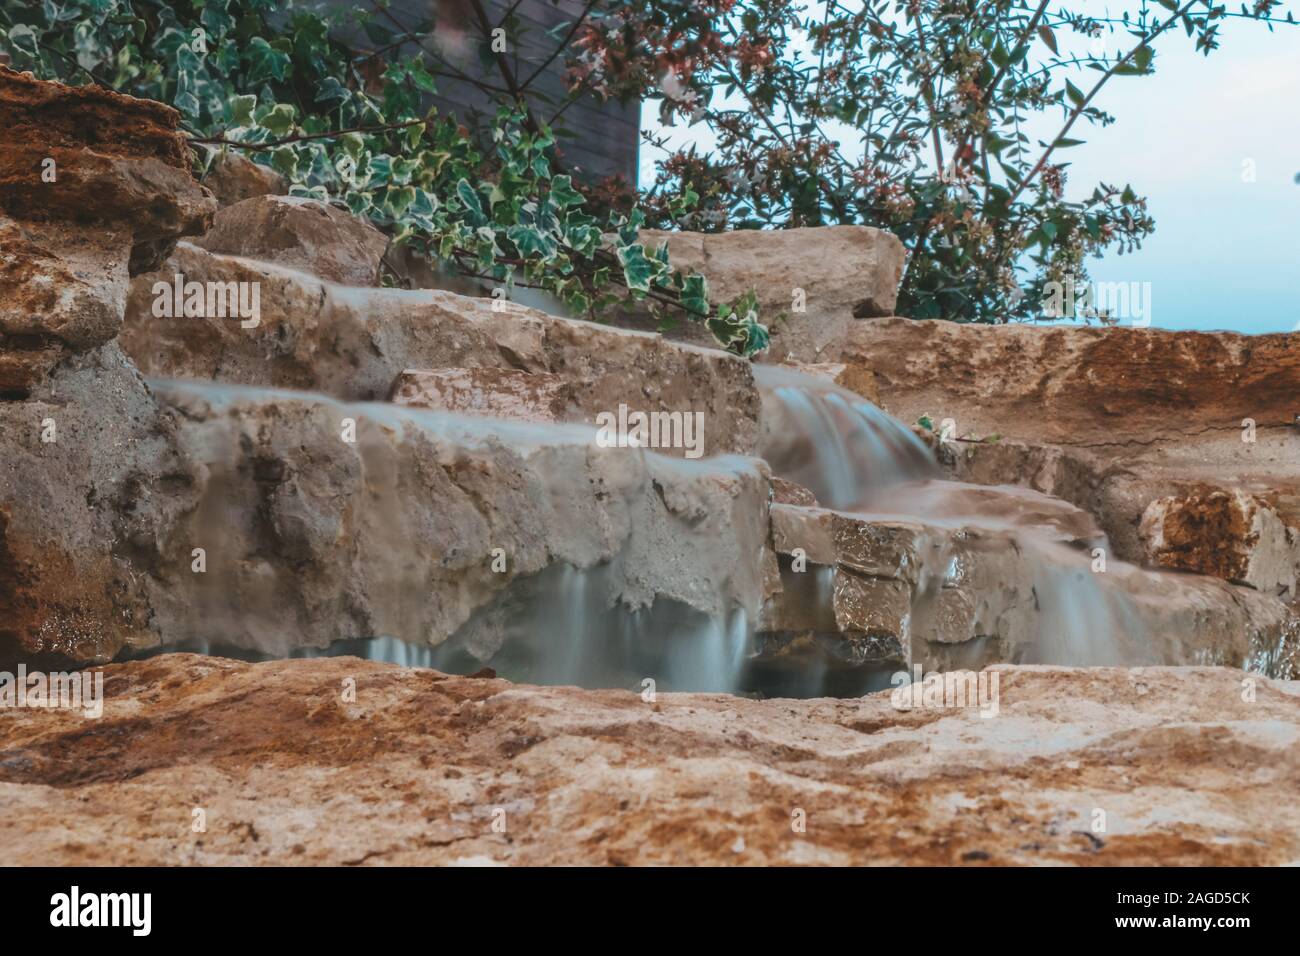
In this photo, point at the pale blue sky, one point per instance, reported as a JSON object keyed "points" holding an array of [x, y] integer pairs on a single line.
{"points": [[1226, 252]]}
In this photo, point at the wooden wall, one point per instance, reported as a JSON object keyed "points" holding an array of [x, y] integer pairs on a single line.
{"points": [[606, 137]]}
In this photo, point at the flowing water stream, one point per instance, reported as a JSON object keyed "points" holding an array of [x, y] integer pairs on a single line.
{"points": [[569, 625]]}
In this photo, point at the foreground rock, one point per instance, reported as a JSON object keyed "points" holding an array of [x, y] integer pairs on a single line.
{"points": [[1182, 444], [1160, 766], [354, 343]]}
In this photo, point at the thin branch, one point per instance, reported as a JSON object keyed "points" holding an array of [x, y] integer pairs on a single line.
{"points": [[302, 137], [564, 44]]}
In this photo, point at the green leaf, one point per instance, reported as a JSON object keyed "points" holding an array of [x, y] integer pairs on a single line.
{"points": [[241, 109], [400, 199], [353, 144], [531, 241], [265, 62], [637, 269], [695, 294], [563, 193], [280, 119], [285, 160], [469, 199]]}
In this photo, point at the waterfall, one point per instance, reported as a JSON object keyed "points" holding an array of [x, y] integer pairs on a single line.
{"points": [[857, 459], [596, 622], [836, 444]]}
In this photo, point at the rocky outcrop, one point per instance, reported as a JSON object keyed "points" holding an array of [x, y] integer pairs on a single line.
{"points": [[1170, 766], [353, 344], [91, 156], [1080, 386], [83, 447], [320, 521], [300, 233], [1182, 444], [266, 520], [1233, 535], [94, 186], [500, 393], [811, 284], [1013, 577]]}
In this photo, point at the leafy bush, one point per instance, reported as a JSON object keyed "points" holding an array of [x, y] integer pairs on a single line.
{"points": [[280, 80], [938, 100]]}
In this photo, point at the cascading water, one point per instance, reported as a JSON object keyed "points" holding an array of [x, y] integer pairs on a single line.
{"points": [[834, 443], [578, 625], [858, 460]]}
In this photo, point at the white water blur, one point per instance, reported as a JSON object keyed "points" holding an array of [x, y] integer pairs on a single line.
{"points": [[834, 443], [857, 459], [568, 626]]}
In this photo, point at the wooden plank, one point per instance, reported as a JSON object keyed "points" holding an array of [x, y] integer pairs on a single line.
{"points": [[607, 135]]}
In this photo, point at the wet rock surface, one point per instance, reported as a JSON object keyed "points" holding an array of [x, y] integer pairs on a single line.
{"points": [[500, 393], [323, 521], [354, 344], [968, 592], [418, 767], [1130, 424]]}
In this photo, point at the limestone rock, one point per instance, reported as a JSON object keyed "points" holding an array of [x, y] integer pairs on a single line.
{"points": [[789, 493], [323, 521], [1078, 386], [87, 470], [855, 378], [354, 343], [410, 773], [844, 272], [1229, 534], [117, 162], [500, 393], [233, 178], [61, 283], [301, 233], [1115, 420], [89, 478], [974, 591]]}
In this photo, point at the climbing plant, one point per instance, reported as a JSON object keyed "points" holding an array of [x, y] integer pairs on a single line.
{"points": [[335, 98]]}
